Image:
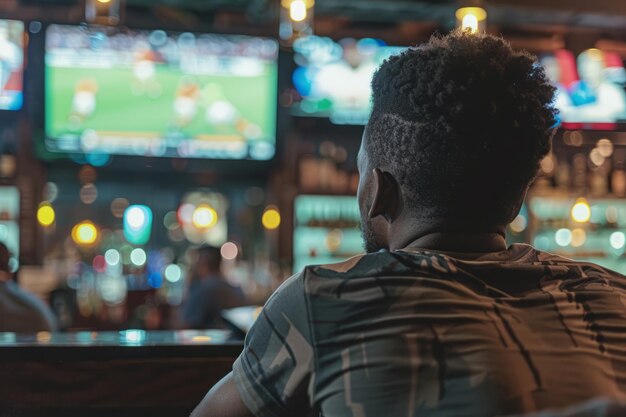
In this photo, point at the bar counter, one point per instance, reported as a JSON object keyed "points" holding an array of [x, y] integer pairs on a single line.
{"points": [[131, 372]]}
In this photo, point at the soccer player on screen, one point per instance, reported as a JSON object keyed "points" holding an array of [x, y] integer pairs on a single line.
{"points": [[186, 102], [11, 56], [84, 101]]}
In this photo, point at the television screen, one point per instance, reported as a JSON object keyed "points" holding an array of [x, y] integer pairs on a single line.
{"points": [[157, 94], [590, 88], [11, 64], [333, 78]]}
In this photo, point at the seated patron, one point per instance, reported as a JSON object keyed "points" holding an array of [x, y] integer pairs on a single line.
{"points": [[209, 293], [20, 311], [440, 317]]}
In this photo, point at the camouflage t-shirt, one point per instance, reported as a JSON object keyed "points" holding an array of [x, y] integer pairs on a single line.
{"points": [[419, 333]]}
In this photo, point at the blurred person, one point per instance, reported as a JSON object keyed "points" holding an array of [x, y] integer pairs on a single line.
{"points": [[596, 97], [11, 55], [562, 100], [20, 311], [84, 101], [345, 80], [209, 293], [439, 317]]}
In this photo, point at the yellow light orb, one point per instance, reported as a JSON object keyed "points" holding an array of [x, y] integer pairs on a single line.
{"points": [[204, 217], [518, 225], [271, 219], [470, 23], [46, 215], [297, 10], [85, 233], [581, 212], [579, 237], [470, 18]]}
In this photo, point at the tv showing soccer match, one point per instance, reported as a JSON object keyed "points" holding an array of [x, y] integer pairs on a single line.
{"points": [[590, 87], [153, 93], [11, 64], [333, 78]]}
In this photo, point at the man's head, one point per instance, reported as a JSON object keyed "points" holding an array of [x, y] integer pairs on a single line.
{"points": [[458, 128], [209, 261], [591, 67]]}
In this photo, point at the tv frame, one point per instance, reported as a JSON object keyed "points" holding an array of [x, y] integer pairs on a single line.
{"points": [[143, 163]]}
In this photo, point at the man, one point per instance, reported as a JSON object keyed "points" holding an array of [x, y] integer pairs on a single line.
{"points": [[20, 312], [209, 293], [440, 318]]}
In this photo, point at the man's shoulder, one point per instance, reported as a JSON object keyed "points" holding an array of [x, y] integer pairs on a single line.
{"points": [[13, 291], [342, 267], [19, 301], [551, 258], [363, 265]]}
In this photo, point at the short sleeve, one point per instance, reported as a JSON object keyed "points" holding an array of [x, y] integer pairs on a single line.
{"points": [[274, 370]]}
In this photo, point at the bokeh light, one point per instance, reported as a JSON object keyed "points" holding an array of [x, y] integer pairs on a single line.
{"points": [[118, 206], [50, 192], [579, 237], [185, 213], [170, 221], [469, 18], [46, 214], [138, 257], [470, 23], [271, 218], [581, 212], [229, 251], [297, 10], [563, 237], [112, 257], [85, 233], [137, 224], [99, 263], [173, 273], [605, 147], [87, 174], [518, 225], [88, 193], [596, 157], [334, 238], [136, 217], [617, 240], [612, 214], [204, 217]]}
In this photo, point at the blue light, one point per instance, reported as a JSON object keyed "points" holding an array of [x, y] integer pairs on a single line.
{"points": [[137, 224], [98, 159], [155, 280], [303, 81]]}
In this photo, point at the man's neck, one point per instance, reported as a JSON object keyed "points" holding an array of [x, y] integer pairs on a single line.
{"points": [[439, 237], [461, 242]]}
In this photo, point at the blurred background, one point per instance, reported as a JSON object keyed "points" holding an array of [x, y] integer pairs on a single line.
{"points": [[133, 132]]}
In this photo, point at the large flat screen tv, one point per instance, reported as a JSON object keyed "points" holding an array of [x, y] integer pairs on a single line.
{"points": [[11, 64], [153, 93], [333, 78], [590, 88]]}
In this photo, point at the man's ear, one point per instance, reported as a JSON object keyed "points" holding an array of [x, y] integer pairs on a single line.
{"points": [[386, 199]]}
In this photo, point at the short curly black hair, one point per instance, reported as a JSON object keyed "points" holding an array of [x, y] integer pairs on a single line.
{"points": [[462, 122]]}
